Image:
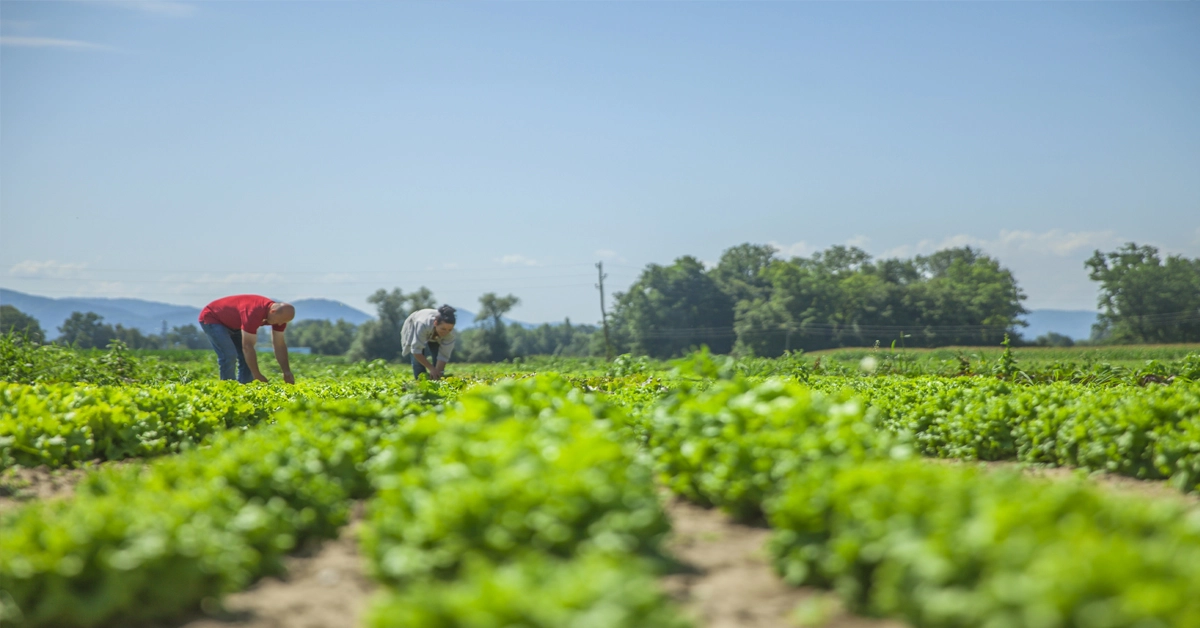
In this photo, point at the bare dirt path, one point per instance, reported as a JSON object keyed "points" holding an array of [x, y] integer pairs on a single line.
{"points": [[327, 589], [730, 582], [20, 485]]}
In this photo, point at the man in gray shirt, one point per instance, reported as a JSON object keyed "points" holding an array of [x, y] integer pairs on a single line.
{"points": [[429, 334]]}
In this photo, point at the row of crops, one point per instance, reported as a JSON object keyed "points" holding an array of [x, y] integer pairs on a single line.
{"points": [[1144, 432], [534, 500]]}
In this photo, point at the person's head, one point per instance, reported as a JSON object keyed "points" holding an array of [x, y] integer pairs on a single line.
{"points": [[445, 321], [280, 313]]}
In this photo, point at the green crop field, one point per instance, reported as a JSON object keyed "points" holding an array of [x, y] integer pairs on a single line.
{"points": [[531, 493]]}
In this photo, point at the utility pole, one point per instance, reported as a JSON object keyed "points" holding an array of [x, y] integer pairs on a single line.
{"points": [[164, 335], [603, 314]]}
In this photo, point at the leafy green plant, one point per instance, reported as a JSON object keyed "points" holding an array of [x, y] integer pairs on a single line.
{"points": [[534, 591], [950, 546], [137, 545]]}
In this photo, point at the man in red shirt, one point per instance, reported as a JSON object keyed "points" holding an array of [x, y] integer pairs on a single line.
{"points": [[232, 326]]}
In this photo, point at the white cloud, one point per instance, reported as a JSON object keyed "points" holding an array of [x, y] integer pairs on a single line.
{"points": [[49, 42], [788, 251], [1055, 242], [30, 269], [517, 260], [930, 246]]}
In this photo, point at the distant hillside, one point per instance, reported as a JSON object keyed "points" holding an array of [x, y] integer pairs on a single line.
{"points": [[326, 309], [1075, 324], [148, 316]]}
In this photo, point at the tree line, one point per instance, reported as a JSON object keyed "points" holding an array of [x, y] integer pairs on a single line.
{"points": [[755, 303], [87, 330]]}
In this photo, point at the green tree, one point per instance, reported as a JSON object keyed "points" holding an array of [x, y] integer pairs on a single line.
{"points": [[14, 321], [671, 309], [764, 327], [422, 299], [840, 297], [85, 331], [494, 335], [968, 298], [134, 338], [563, 339], [741, 272], [187, 337], [1144, 298], [380, 338], [322, 336]]}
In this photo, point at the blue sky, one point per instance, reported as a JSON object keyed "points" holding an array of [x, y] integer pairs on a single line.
{"points": [[184, 151]]}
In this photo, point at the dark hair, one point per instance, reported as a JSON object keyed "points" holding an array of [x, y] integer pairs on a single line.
{"points": [[446, 314]]}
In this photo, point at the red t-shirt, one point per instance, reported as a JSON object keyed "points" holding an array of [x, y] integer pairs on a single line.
{"points": [[246, 312]]}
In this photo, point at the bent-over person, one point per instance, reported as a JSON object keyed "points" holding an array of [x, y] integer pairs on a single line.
{"points": [[429, 336], [232, 323]]}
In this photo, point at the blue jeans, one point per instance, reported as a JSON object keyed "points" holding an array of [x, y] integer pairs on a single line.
{"points": [[228, 345], [430, 352]]}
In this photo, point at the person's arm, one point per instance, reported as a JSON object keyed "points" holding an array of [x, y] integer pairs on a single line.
{"points": [[248, 341], [443, 356], [433, 372], [279, 343]]}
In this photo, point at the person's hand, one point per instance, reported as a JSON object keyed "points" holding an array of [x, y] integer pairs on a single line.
{"points": [[260, 377], [288, 377], [436, 373]]}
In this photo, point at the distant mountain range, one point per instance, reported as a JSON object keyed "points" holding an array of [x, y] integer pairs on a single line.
{"points": [[148, 316]]}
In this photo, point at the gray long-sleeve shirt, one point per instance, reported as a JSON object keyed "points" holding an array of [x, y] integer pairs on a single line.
{"points": [[418, 331]]}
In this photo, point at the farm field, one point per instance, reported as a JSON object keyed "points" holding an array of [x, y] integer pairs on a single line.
{"points": [[1019, 489]]}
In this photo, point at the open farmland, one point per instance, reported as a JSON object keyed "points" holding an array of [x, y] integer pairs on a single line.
{"points": [[138, 490]]}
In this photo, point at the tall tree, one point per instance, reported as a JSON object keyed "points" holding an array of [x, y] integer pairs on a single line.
{"points": [[14, 321], [380, 338], [85, 331], [671, 309], [1144, 298], [134, 338], [840, 297], [322, 336], [741, 272], [422, 299], [187, 337], [492, 308], [968, 299]]}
